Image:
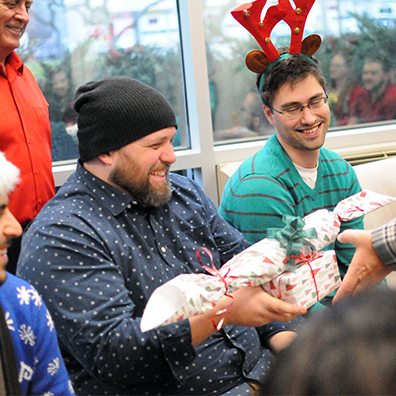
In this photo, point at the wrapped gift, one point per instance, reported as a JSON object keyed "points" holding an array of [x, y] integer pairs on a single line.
{"points": [[327, 224], [280, 258], [313, 278], [191, 294]]}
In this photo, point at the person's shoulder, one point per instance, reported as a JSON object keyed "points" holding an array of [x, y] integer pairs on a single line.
{"points": [[358, 89], [333, 164], [326, 154], [391, 92], [17, 295], [391, 87], [264, 163], [15, 61], [185, 186], [12, 282], [182, 182]]}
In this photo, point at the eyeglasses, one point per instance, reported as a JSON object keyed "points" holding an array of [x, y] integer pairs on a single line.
{"points": [[296, 110]]}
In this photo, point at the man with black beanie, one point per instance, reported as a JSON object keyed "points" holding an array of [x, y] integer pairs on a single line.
{"points": [[121, 226]]}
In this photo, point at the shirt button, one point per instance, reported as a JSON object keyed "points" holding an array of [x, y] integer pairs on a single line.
{"points": [[163, 250], [36, 172], [40, 201]]}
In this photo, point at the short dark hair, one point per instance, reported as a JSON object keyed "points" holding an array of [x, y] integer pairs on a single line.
{"points": [[374, 58], [288, 71]]}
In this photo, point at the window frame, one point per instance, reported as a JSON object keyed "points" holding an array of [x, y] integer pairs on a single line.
{"points": [[203, 156]]}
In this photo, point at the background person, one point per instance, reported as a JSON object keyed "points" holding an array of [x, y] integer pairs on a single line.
{"points": [[380, 103], [25, 133], [30, 360], [121, 226], [343, 90], [253, 115], [58, 92]]}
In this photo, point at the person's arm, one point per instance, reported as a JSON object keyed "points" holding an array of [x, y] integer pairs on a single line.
{"points": [[251, 306], [374, 259], [94, 315], [49, 376]]}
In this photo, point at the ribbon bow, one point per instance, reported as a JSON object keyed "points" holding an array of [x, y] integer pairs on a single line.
{"points": [[292, 238], [225, 279]]}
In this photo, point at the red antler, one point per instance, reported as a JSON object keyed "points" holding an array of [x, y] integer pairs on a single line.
{"points": [[249, 16]]}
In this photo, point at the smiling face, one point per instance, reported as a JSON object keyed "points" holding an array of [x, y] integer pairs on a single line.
{"points": [[9, 229], [141, 168], [14, 17], [303, 136]]}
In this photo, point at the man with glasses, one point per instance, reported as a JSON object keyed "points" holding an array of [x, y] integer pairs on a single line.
{"points": [[292, 174]]}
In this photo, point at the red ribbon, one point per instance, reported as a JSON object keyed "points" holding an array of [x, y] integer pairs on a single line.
{"points": [[304, 260], [215, 272], [350, 210]]}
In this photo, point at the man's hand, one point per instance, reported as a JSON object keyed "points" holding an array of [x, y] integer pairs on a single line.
{"points": [[253, 307], [250, 306], [366, 269]]}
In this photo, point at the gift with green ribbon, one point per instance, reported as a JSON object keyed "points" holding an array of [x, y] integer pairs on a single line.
{"points": [[293, 238]]}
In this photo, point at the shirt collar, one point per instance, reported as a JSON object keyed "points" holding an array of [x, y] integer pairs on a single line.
{"points": [[15, 61], [111, 197]]}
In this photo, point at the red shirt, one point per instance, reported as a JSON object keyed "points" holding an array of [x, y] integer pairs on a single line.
{"points": [[382, 109], [25, 138]]}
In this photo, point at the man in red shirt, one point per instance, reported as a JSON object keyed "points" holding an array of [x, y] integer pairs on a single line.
{"points": [[25, 133], [379, 102]]}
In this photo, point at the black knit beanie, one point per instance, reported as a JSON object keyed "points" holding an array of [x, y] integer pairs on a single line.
{"points": [[117, 111]]}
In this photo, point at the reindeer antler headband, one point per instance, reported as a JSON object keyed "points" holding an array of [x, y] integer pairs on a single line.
{"points": [[249, 16]]}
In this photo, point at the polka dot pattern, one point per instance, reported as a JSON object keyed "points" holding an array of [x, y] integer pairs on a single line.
{"points": [[95, 255]]}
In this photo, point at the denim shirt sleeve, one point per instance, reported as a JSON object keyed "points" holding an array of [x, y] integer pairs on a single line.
{"points": [[94, 314]]}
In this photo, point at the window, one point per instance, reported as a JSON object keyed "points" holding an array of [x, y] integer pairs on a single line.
{"points": [[71, 42], [357, 57], [193, 52]]}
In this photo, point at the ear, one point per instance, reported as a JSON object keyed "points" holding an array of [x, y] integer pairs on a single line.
{"points": [[268, 114], [107, 159], [256, 61], [311, 44]]}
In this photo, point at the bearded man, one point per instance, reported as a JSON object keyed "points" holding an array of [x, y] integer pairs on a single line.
{"points": [[121, 226]]}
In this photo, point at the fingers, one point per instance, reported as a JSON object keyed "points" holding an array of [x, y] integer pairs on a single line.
{"points": [[277, 306], [252, 306], [274, 309], [352, 236], [349, 285], [366, 269]]}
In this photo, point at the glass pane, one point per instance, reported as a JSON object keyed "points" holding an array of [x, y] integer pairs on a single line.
{"points": [[71, 42], [358, 58]]}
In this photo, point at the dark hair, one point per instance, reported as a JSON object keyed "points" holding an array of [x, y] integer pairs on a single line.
{"points": [[288, 71], [350, 349], [375, 58]]}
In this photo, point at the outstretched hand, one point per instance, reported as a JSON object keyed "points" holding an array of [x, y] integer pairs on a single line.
{"points": [[249, 306], [366, 269], [252, 306]]}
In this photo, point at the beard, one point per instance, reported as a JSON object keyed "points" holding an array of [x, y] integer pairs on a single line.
{"points": [[132, 179]]}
